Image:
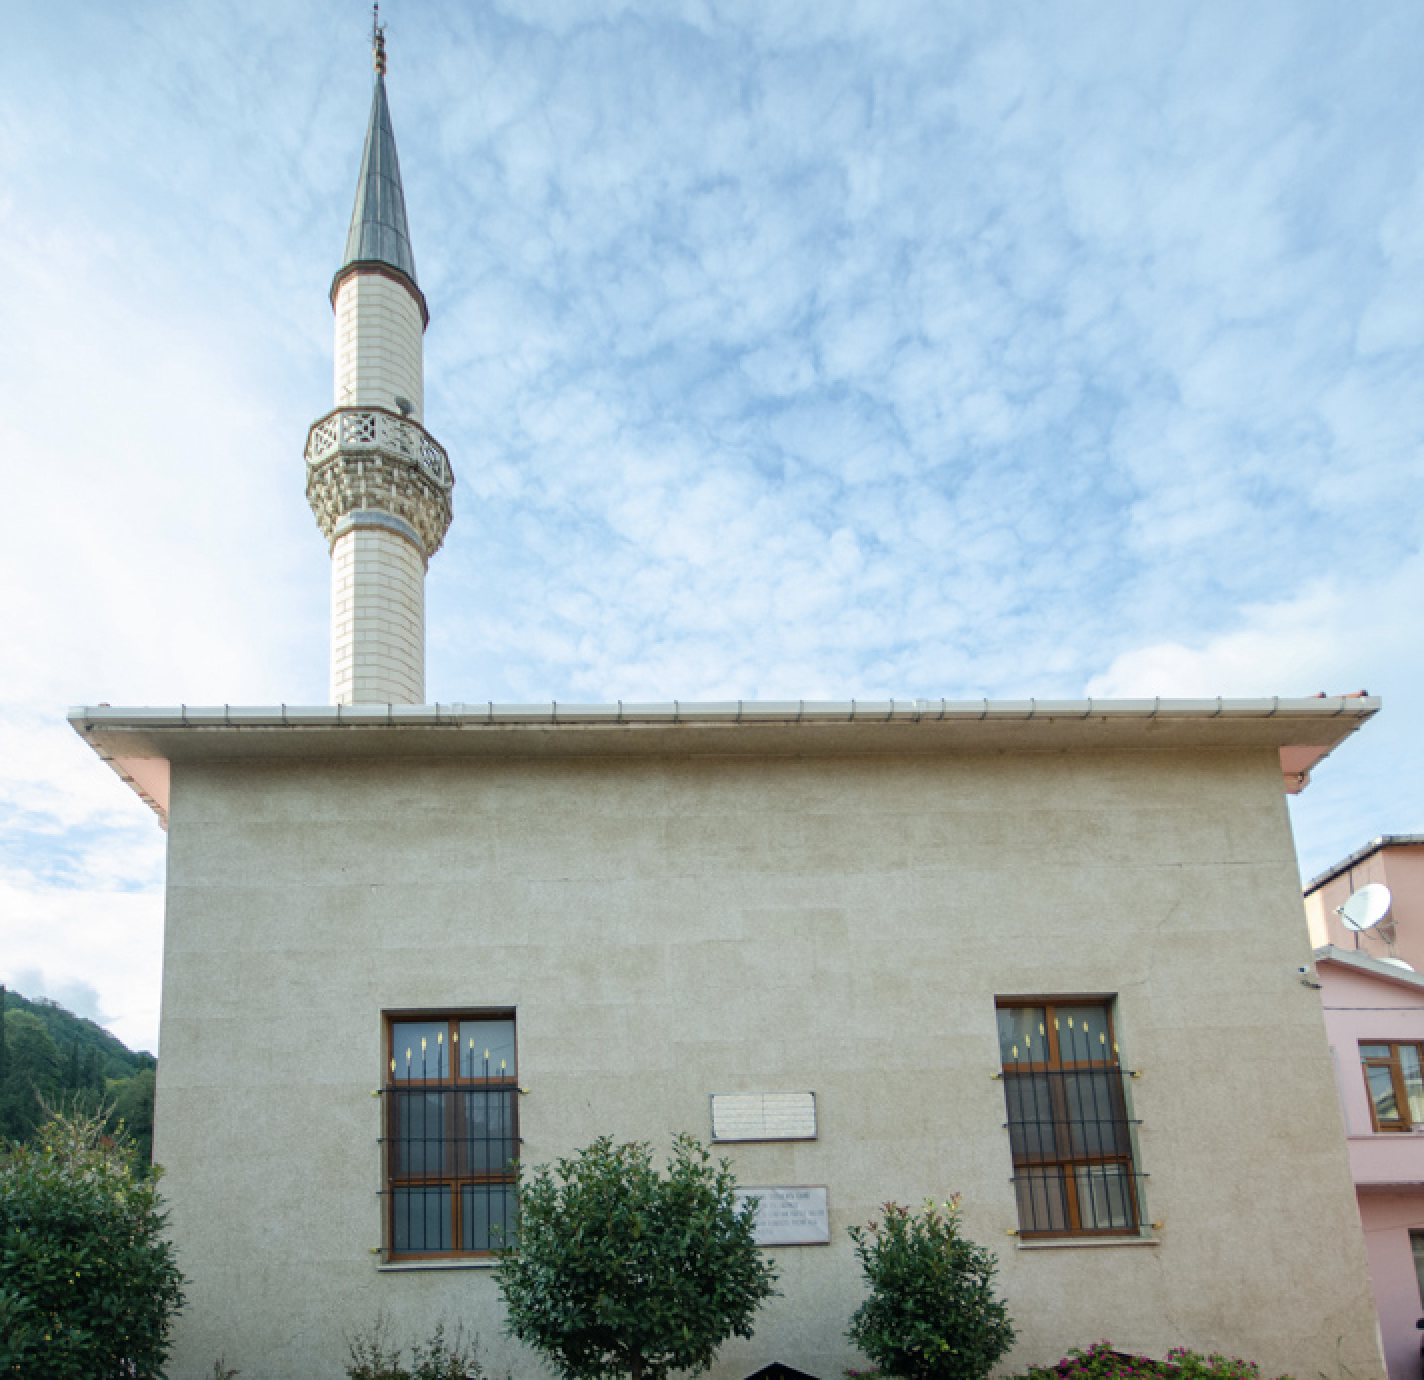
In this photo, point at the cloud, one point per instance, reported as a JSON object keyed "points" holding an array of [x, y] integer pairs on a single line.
{"points": [[795, 350], [1277, 649], [98, 953], [78, 996], [1337, 635]]}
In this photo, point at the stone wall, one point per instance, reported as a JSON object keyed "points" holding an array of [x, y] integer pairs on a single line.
{"points": [[666, 929]]}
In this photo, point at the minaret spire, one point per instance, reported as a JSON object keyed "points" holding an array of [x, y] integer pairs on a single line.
{"points": [[380, 233], [377, 481]]}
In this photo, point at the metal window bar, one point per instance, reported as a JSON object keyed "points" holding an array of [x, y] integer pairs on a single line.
{"points": [[1070, 1134], [451, 1147]]}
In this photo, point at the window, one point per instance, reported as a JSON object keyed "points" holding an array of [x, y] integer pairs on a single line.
{"points": [[1396, 1083], [451, 1134], [1068, 1121]]}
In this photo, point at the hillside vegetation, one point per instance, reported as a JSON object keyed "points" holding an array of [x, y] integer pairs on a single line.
{"points": [[49, 1056]]}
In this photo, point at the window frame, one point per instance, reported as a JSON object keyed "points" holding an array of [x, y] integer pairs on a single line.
{"points": [[1065, 1127], [1405, 1122], [459, 1172]]}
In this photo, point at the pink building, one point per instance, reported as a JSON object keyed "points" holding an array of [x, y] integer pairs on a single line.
{"points": [[1397, 861], [1374, 1015]]}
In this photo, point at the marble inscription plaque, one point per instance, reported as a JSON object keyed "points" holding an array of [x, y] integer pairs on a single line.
{"points": [[763, 1116], [790, 1216]]}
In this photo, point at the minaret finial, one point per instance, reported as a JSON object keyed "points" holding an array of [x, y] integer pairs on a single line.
{"points": [[378, 40]]}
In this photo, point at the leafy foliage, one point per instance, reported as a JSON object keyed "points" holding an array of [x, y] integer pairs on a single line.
{"points": [[105, 1056], [33, 1070], [50, 1056], [131, 1102], [88, 1287], [931, 1314], [374, 1358], [622, 1271], [1101, 1362]]}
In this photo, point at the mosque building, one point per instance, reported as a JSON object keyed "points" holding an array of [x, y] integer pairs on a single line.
{"points": [[1046, 955]]}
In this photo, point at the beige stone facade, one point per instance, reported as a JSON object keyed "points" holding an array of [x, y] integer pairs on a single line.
{"points": [[377, 618], [379, 344], [674, 908]]}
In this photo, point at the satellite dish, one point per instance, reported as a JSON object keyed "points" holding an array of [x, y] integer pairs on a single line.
{"points": [[1367, 907]]}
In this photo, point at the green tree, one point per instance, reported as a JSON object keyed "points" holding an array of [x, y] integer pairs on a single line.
{"points": [[33, 1069], [72, 1065], [92, 1078], [620, 1270], [132, 1108], [931, 1314], [88, 1286], [115, 1059]]}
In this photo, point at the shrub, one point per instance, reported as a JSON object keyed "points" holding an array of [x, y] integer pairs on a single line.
{"points": [[88, 1287], [622, 1271], [373, 1358], [931, 1314], [1101, 1362]]}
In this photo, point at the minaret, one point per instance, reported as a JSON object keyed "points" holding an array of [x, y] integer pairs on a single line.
{"points": [[377, 481]]}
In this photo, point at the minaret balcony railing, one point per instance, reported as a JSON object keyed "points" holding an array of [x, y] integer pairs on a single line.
{"points": [[352, 430]]}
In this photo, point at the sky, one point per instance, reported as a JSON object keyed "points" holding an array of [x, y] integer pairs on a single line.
{"points": [[791, 350]]}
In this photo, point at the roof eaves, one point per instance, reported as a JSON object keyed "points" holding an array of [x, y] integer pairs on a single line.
{"points": [[140, 743], [1368, 850], [462, 714], [1369, 965]]}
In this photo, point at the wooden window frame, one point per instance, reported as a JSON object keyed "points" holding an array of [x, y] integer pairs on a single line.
{"points": [[457, 1173], [1393, 1063], [1063, 1158]]}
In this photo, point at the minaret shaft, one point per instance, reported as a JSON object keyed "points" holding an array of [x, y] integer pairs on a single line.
{"points": [[377, 618], [379, 354]]}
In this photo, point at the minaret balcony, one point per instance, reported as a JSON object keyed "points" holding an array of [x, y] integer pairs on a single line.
{"points": [[358, 429], [367, 460]]}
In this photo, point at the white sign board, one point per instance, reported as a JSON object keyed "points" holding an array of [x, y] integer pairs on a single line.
{"points": [[764, 1116], [790, 1216]]}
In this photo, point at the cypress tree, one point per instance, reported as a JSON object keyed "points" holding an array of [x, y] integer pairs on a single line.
{"points": [[4, 1053], [71, 1066], [93, 1078]]}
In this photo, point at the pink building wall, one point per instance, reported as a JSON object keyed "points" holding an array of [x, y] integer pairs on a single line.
{"points": [[1396, 860], [1387, 1216], [1369, 1001]]}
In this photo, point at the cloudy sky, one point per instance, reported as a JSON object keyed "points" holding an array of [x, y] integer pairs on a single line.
{"points": [[782, 350]]}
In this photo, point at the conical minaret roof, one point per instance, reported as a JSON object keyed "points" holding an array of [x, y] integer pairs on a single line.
{"points": [[379, 237], [379, 231]]}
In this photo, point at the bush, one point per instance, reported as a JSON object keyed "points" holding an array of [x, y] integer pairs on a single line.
{"points": [[621, 1271], [88, 1287], [1101, 1362], [931, 1314], [373, 1358]]}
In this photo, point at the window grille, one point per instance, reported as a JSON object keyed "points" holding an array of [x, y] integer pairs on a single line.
{"points": [[451, 1136], [1069, 1121]]}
